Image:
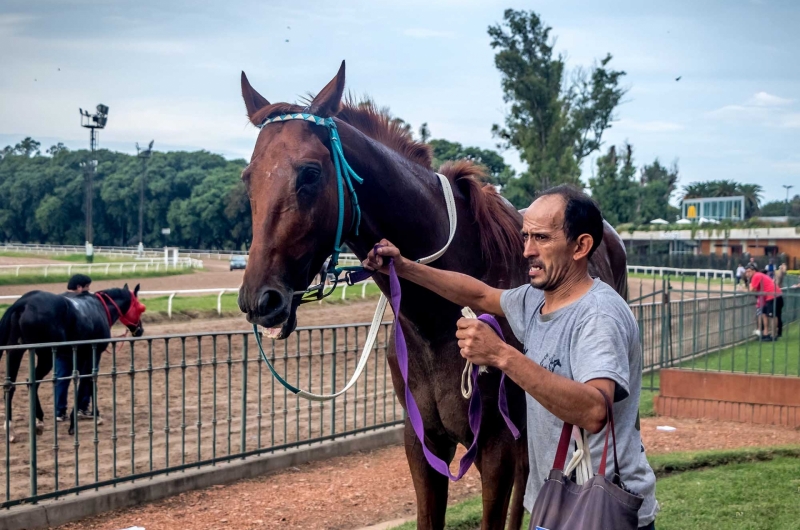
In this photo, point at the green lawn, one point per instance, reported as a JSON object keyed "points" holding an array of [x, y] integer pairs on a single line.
{"points": [[30, 279], [209, 303], [750, 489], [73, 258]]}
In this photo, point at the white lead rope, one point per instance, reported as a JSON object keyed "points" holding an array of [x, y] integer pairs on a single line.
{"points": [[376, 319]]}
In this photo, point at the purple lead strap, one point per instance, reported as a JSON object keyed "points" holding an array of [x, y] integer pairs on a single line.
{"points": [[475, 407]]}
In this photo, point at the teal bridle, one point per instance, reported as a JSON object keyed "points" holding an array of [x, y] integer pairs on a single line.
{"points": [[344, 177]]}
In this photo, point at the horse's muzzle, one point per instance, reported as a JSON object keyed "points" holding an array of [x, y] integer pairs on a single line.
{"points": [[269, 308]]}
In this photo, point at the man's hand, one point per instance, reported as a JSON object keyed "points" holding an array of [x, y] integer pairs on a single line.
{"points": [[480, 344], [378, 258]]}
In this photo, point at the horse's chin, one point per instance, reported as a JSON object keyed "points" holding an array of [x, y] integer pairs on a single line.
{"points": [[281, 331]]}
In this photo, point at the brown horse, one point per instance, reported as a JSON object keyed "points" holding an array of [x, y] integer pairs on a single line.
{"points": [[291, 182]]}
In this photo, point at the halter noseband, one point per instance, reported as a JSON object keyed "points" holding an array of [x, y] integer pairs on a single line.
{"points": [[344, 177], [122, 319]]}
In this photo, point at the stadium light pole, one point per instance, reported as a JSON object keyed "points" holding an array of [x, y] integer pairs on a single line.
{"points": [[144, 155], [788, 187], [93, 122]]}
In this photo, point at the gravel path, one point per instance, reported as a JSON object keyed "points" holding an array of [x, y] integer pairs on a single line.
{"points": [[367, 488]]}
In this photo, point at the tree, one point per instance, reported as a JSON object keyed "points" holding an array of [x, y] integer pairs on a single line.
{"points": [[498, 172], [424, 133], [554, 124], [614, 187], [778, 208], [198, 195], [657, 184]]}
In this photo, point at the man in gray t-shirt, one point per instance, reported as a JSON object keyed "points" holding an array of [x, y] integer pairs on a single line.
{"points": [[580, 338]]}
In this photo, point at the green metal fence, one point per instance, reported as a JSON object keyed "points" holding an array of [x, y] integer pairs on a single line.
{"points": [[709, 325], [175, 402]]}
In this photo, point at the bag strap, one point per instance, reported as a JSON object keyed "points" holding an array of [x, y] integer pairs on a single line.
{"points": [[566, 432], [609, 427], [563, 447]]}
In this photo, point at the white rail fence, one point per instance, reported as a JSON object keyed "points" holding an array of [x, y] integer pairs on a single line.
{"points": [[670, 271], [146, 265], [218, 291]]}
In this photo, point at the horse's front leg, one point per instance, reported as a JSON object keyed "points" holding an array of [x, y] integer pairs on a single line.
{"points": [[496, 462], [429, 485]]}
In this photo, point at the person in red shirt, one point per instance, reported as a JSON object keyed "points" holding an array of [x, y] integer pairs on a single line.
{"points": [[765, 303]]}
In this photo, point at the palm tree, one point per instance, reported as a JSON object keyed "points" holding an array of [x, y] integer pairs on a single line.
{"points": [[752, 198]]}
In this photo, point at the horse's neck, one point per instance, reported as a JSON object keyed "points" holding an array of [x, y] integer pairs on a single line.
{"points": [[404, 203]]}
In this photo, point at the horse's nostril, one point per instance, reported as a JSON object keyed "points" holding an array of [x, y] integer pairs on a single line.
{"points": [[270, 302]]}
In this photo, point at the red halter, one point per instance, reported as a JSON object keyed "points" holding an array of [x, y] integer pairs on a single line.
{"points": [[124, 320]]}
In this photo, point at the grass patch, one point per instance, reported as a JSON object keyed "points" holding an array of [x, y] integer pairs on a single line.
{"points": [[72, 258], [753, 496], [646, 409], [737, 489], [189, 304], [780, 357], [702, 283], [29, 279]]}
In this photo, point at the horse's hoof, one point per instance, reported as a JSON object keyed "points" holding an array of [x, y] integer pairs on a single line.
{"points": [[39, 427], [12, 436]]}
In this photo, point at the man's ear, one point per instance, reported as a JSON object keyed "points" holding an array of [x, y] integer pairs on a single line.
{"points": [[583, 246]]}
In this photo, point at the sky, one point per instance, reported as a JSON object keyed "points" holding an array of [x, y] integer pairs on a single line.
{"points": [[169, 71]]}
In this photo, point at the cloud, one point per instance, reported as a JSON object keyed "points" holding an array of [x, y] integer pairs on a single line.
{"points": [[762, 109], [764, 99], [787, 167], [423, 33], [649, 126]]}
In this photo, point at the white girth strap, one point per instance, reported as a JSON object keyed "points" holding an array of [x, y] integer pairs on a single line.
{"points": [[376, 319]]}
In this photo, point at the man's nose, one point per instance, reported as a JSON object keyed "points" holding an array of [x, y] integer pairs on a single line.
{"points": [[531, 249]]}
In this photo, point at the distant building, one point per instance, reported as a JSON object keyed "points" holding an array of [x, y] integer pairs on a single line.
{"points": [[775, 241], [717, 208]]}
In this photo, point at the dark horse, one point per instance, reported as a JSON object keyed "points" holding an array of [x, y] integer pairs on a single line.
{"points": [[291, 182], [40, 317]]}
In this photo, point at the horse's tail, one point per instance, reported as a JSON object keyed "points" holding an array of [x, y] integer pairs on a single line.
{"points": [[516, 509]]}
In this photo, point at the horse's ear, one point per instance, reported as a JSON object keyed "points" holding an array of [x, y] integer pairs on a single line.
{"points": [[252, 99], [329, 99], [125, 287], [136, 290]]}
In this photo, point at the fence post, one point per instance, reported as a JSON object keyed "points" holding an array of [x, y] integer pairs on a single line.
{"points": [[169, 305], [32, 420], [344, 291], [107, 266], [45, 270], [243, 442], [219, 303], [364, 290]]}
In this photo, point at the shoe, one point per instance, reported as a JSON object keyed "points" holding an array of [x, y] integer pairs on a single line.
{"points": [[766, 338], [87, 415], [62, 417], [757, 332]]}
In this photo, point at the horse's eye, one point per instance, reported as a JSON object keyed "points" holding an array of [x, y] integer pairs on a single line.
{"points": [[307, 176]]}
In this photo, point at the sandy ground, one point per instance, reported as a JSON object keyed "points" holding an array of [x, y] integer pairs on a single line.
{"points": [[366, 488]]}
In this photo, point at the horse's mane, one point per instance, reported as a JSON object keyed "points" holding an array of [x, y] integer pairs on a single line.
{"points": [[497, 220]]}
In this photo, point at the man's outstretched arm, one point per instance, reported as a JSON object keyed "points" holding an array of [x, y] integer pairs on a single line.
{"points": [[459, 288]]}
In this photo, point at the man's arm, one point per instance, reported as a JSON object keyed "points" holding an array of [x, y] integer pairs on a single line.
{"points": [[577, 403], [459, 288]]}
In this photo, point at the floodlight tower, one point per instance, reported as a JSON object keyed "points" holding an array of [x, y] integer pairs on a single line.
{"points": [[91, 122], [144, 155], [786, 210]]}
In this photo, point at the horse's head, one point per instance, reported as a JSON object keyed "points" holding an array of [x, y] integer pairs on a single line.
{"points": [[127, 305], [292, 186], [132, 319]]}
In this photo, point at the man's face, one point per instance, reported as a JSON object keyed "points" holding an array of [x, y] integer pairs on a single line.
{"points": [[749, 273], [81, 288], [550, 255]]}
